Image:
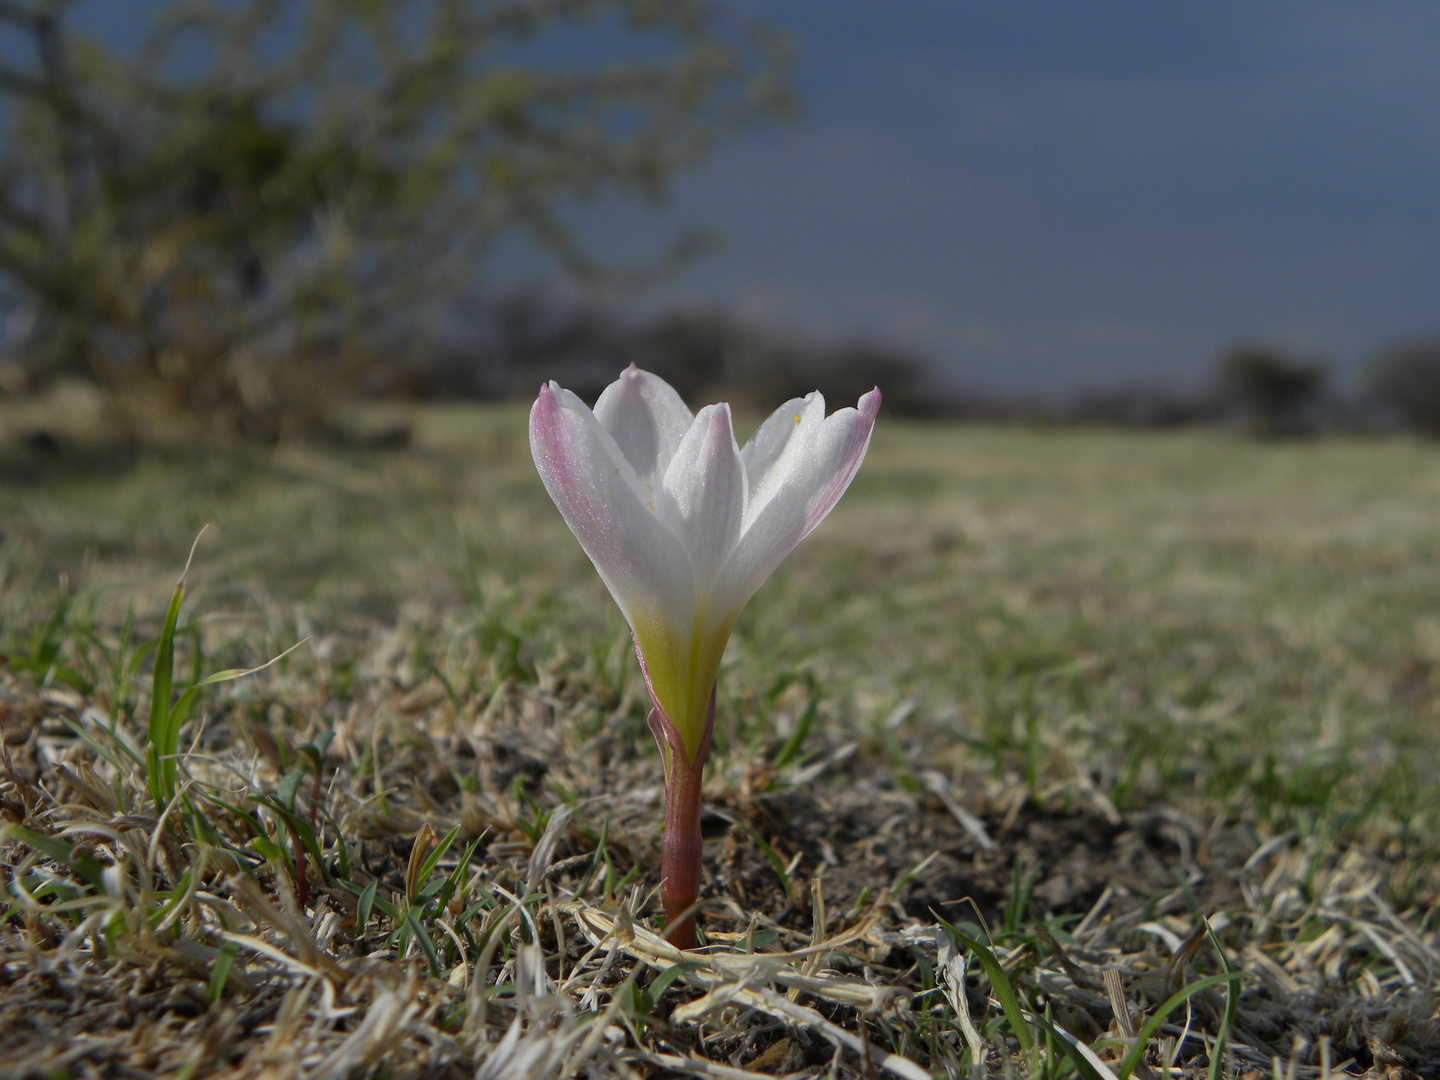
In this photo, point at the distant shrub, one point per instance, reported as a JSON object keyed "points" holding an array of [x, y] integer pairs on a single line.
{"points": [[1269, 390], [1404, 382]]}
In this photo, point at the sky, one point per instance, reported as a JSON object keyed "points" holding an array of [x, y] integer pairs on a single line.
{"points": [[1049, 196]]}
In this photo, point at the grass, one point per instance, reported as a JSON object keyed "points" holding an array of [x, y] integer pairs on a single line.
{"points": [[1052, 752]]}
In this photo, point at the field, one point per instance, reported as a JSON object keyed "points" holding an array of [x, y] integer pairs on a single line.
{"points": [[1051, 753]]}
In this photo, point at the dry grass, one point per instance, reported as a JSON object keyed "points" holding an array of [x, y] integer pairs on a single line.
{"points": [[949, 828]]}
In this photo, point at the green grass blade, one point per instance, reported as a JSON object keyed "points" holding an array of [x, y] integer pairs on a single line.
{"points": [[662, 982], [423, 940], [456, 877], [288, 786], [364, 906], [792, 746], [1000, 983], [181, 710], [269, 850], [175, 897], [377, 902], [301, 829], [1173, 1002], [1232, 1005], [427, 867], [87, 866], [256, 828], [163, 737], [220, 971], [104, 750], [1088, 1064]]}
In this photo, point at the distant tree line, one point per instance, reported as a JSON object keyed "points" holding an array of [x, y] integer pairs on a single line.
{"points": [[1267, 391], [508, 345], [511, 343]]}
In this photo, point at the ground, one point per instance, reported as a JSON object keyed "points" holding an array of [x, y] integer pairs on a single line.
{"points": [[1126, 711]]}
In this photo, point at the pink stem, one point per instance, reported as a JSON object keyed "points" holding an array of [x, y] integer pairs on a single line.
{"points": [[681, 848]]}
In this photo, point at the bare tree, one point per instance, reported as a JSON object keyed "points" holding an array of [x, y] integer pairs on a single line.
{"points": [[269, 188]]}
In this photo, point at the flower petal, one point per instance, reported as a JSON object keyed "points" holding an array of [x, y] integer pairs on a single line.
{"points": [[647, 420], [778, 445], [814, 477], [661, 503], [643, 563], [838, 450], [706, 481]]}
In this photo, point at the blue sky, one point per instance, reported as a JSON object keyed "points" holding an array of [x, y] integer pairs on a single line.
{"points": [[1050, 195], [1043, 196]]}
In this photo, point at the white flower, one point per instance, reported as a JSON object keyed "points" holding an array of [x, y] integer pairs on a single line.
{"points": [[682, 524]]}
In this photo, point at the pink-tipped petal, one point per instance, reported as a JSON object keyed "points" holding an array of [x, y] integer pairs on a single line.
{"points": [[811, 486], [839, 449], [643, 564]]}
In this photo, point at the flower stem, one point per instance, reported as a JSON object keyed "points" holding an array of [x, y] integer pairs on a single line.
{"points": [[681, 848]]}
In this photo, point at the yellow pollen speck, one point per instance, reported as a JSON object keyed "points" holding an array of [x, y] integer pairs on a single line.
{"points": [[652, 507], [797, 418]]}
